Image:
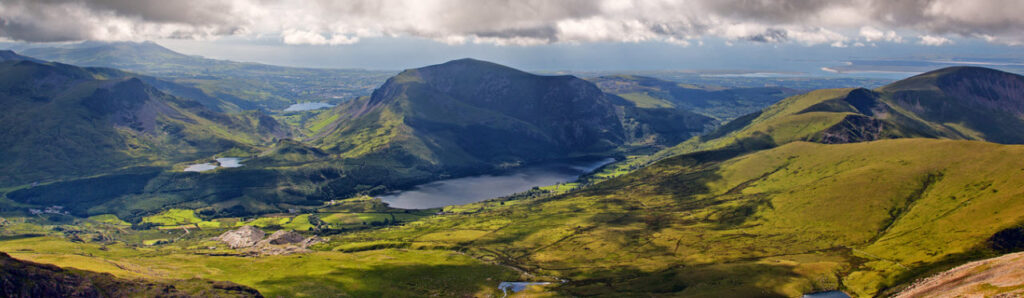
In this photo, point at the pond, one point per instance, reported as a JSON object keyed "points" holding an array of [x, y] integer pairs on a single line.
{"points": [[517, 286], [473, 189], [828, 294], [226, 162], [306, 106]]}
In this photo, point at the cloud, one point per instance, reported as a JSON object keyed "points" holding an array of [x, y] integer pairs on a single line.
{"points": [[870, 34], [929, 40], [313, 38], [837, 23]]}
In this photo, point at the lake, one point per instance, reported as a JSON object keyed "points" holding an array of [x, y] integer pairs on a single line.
{"points": [[828, 294], [517, 286], [306, 106], [225, 162], [473, 189]]}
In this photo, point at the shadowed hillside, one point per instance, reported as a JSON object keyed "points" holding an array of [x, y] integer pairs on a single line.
{"points": [[472, 114], [64, 121], [27, 279]]}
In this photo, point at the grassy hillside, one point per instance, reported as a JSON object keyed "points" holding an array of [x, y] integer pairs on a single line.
{"points": [[956, 103], [975, 102], [799, 218], [27, 279], [720, 103], [388, 272], [64, 121], [469, 114], [243, 86]]}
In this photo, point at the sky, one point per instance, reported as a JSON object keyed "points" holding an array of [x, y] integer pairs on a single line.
{"points": [[807, 36]]}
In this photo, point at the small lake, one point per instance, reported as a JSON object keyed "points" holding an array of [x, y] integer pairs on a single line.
{"points": [[517, 286], [306, 106], [829, 294], [226, 162], [473, 189]]}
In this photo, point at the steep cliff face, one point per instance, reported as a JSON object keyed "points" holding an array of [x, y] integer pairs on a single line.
{"points": [[27, 279]]}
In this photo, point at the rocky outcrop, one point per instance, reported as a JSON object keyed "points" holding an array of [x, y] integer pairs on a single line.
{"points": [[246, 236], [853, 129], [281, 242], [282, 237], [996, 277], [314, 240]]}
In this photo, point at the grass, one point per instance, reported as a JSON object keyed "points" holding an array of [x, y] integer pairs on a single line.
{"points": [[173, 217], [646, 101], [799, 218], [388, 272], [109, 219]]}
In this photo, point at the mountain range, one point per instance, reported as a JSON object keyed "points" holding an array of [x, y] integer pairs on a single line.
{"points": [[63, 121], [717, 102], [237, 86], [448, 120], [853, 189]]}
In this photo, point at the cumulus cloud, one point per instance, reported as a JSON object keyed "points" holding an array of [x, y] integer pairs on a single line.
{"points": [[530, 22], [871, 34], [930, 40]]}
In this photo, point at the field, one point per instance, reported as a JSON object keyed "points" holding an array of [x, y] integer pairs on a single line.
{"points": [[388, 272]]}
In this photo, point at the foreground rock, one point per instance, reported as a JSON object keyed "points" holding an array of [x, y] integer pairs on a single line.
{"points": [[27, 279], [243, 237], [1000, 277]]}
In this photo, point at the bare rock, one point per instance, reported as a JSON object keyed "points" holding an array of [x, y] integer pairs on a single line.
{"points": [[246, 236], [312, 240], [282, 237]]}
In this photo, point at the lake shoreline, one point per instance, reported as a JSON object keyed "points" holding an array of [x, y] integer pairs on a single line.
{"points": [[487, 186]]}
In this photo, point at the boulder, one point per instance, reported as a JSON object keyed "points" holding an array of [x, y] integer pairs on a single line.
{"points": [[306, 243], [246, 236]]}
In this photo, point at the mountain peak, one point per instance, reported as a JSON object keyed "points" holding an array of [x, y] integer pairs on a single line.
{"points": [[9, 55]]}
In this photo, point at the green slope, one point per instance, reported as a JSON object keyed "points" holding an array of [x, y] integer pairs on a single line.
{"points": [[473, 114], [795, 219], [975, 102], [27, 279], [236, 86], [720, 103], [956, 103], [63, 121]]}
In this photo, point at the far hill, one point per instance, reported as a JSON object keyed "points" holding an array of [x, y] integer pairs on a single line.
{"points": [[721, 103], [975, 102], [970, 103], [474, 114], [245, 86], [8, 55], [62, 121]]}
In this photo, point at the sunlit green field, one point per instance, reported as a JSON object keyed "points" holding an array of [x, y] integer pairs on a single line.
{"points": [[388, 272]]}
